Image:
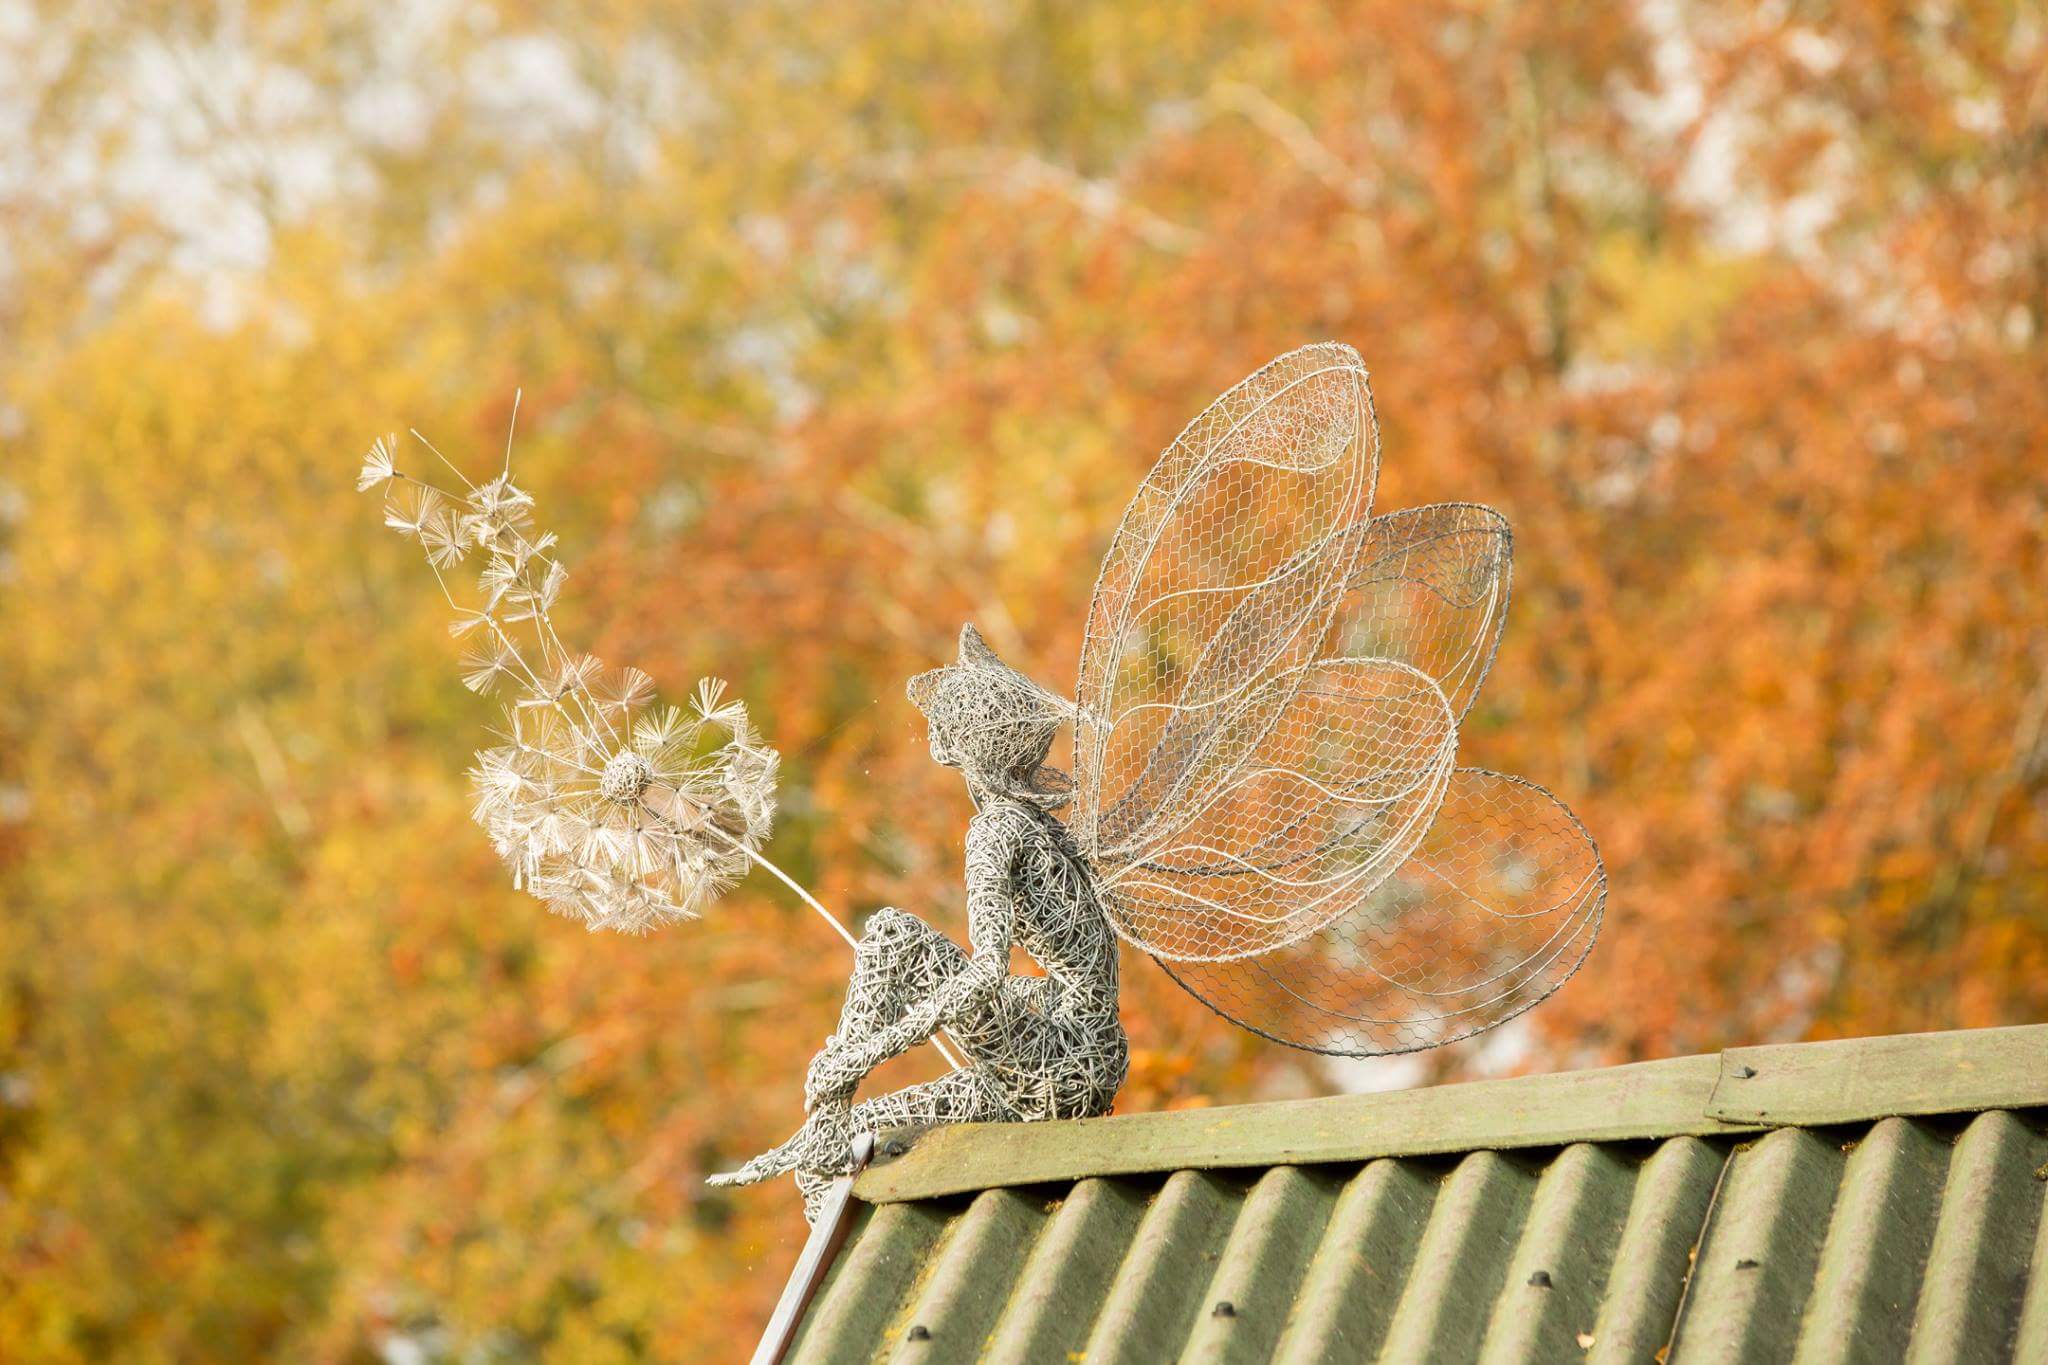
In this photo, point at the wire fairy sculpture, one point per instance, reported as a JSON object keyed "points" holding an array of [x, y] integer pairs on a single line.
{"points": [[1265, 797], [1045, 1047]]}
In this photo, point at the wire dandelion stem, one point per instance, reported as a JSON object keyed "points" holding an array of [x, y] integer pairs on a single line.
{"points": [[767, 865]]}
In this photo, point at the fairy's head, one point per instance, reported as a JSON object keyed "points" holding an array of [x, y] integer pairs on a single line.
{"points": [[994, 724]]}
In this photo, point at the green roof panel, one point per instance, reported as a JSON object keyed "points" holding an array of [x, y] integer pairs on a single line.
{"points": [[1604, 1216]]}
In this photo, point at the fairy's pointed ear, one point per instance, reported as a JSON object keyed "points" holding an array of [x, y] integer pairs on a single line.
{"points": [[974, 649]]}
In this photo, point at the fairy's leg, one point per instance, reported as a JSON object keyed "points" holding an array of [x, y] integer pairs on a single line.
{"points": [[823, 1146], [962, 1097], [899, 962]]}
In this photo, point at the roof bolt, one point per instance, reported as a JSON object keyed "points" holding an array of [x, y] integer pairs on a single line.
{"points": [[1743, 1073], [918, 1332], [1541, 1279], [1745, 1264], [1224, 1309]]}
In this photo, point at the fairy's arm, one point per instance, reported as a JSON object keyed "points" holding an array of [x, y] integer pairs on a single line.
{"points": [[994, 841]]}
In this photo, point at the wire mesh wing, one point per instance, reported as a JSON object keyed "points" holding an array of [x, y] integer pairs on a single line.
{"points": [[1430, 590], [1237, 787], [1496, 908], [1503, 897]]}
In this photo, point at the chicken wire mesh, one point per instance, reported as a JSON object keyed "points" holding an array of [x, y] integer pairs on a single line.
{"points": [[1269, 700]]}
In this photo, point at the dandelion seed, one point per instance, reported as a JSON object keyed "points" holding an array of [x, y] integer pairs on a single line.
{"points": [[624, 693], [551, 586], [503, 500], [711, 704], [485, 667], [498, 579], [574, 675], [521, 551], [529, 602], [409, 509], [443, 536], [499, 511], [377, 469]]}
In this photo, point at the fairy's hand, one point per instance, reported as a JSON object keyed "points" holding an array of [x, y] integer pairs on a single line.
{"points": [[969, 993], [833, 1075], [923, 1019]]}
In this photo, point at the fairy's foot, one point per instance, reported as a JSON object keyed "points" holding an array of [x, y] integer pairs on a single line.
{"points": [[766, 1166], [821, 1146]]}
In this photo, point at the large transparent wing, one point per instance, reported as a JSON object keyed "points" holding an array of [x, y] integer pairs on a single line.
{"points": [[1307, 795], [1498, 905], [1430, 590], [1236, 786], [1289, 822], [1223, 574]]}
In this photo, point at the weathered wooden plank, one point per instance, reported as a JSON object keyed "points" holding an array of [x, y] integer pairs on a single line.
{"points": [[1644, 1100], [1855, 1079], [1740, 1091]]}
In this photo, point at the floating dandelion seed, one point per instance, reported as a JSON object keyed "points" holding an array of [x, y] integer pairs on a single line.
{"points": [[484, 666], [411, 506]]}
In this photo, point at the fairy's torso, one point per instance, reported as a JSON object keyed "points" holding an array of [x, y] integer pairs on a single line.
{"points": [[1058, 920]]}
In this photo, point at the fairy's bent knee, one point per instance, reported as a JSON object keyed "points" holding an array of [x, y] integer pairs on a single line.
{"points": [[890, 931], [889, 922]]}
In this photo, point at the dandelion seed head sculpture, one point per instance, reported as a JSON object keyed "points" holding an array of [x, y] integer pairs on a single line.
{"points": [[633, 822], [617, 812]]}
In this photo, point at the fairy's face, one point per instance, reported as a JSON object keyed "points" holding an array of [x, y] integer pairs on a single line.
{"points": [[943, 749]]}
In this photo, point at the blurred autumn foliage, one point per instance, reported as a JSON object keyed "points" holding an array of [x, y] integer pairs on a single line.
{"points": [[842, 324]]}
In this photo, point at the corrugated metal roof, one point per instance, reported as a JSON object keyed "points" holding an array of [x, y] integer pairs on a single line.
{"points": [[1545, 1218]]}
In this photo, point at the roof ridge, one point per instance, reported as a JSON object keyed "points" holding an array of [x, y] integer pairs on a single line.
{"points": [[1740, 1090]]}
